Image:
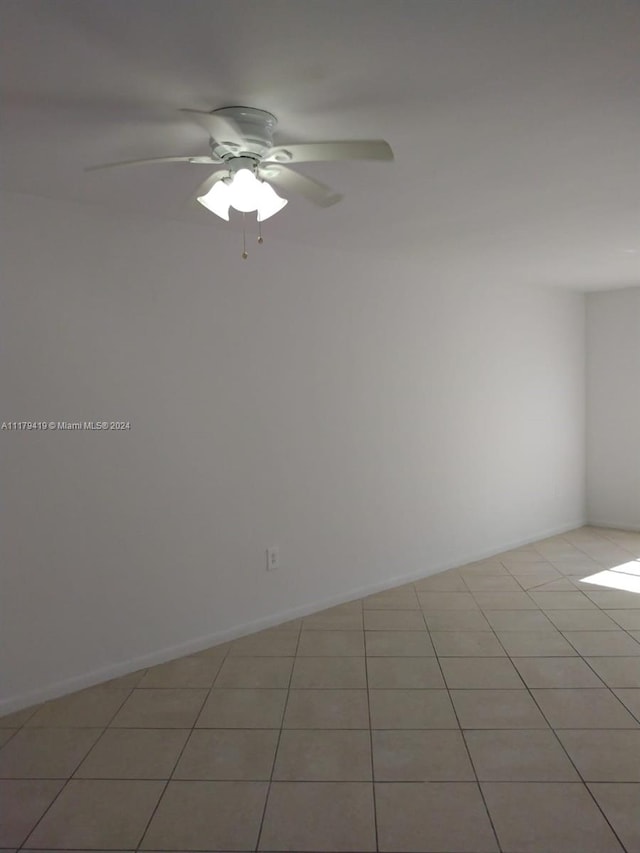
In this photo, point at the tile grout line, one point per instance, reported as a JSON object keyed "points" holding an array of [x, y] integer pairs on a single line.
{"points": [[191, 730], [555, 734], [558, 740], [528, 690], [275, 754], [373, 774], [78, 765], [464, 740]]}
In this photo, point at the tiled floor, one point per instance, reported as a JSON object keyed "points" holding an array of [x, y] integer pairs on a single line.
{"points": [[494, 707]]}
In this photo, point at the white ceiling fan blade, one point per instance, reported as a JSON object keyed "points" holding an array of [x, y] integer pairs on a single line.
{"points": [[222, 129], [205, 160], [290, 181], [307, 152]]}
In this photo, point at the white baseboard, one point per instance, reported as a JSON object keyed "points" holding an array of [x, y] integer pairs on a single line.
{"points": [[89, 679], [614, 525]]}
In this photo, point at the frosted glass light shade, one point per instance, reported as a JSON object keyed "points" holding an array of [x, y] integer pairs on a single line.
{"points": [[270, 202], [217, 200], [244, 193]]}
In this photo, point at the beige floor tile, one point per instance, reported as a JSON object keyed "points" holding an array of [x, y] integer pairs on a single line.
{"points": [[45, 753], [610, 599], [556, 548], [408, 587], [354, 606], [449, 581], [519, 620], [432, 817], [125, 682], [327, 816], [420, 756], [404, 672], [492, 583], [207, 816], [134, 754], [329, 672], [535, 644], [394, 620], [92, 708], [556, 672], [563, 584], [456, 620], [18, 718], [477, 672], [617, 671], [330, 621], [327, 709], [610, 557], [605, 643], [497, 709], [411, 709], [557, 816], [6, 735], [24, 801], [165, 708], [504, 601], [398, 644], [627, 619], [583, 709], [604, 756], [539, 580], [323, 756], [581, 566], [519, 755], [581, 620], [630, 697], [331, 643], [447, 601], [518, 556], [392, 600], [557, 600], [243, 709], [255, 672], [467, 644], [192, 671], [228, 754], [103, 814], [326, 743], [483, 567], [220, 650], [621, 806], [536, 567], [271, 643]]}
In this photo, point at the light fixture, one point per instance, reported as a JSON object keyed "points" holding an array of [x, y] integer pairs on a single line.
{"points": [[244, 192]]}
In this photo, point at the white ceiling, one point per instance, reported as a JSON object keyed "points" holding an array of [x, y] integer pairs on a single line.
{"points": [[516, 125]]}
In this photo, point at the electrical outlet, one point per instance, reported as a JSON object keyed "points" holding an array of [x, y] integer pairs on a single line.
{"points": [[273, 559]]}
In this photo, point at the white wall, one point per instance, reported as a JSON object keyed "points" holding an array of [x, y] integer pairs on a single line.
{"points": [[613, 408], [370, 420]]}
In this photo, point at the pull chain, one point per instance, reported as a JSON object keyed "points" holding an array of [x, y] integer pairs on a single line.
{"points": [[245, 254], [260, 240]]}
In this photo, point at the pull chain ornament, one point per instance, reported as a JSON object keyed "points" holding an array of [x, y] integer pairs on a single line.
{"points": [[245, 254]]}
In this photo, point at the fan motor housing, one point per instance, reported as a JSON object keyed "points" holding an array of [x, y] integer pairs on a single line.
{"points": [[256, 127]]}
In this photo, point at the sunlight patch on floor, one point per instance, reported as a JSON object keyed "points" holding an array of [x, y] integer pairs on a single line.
{"points": [[626, 576]]}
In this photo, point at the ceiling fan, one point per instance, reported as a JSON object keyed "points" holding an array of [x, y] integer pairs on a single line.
{"points": [[241, 142]]}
